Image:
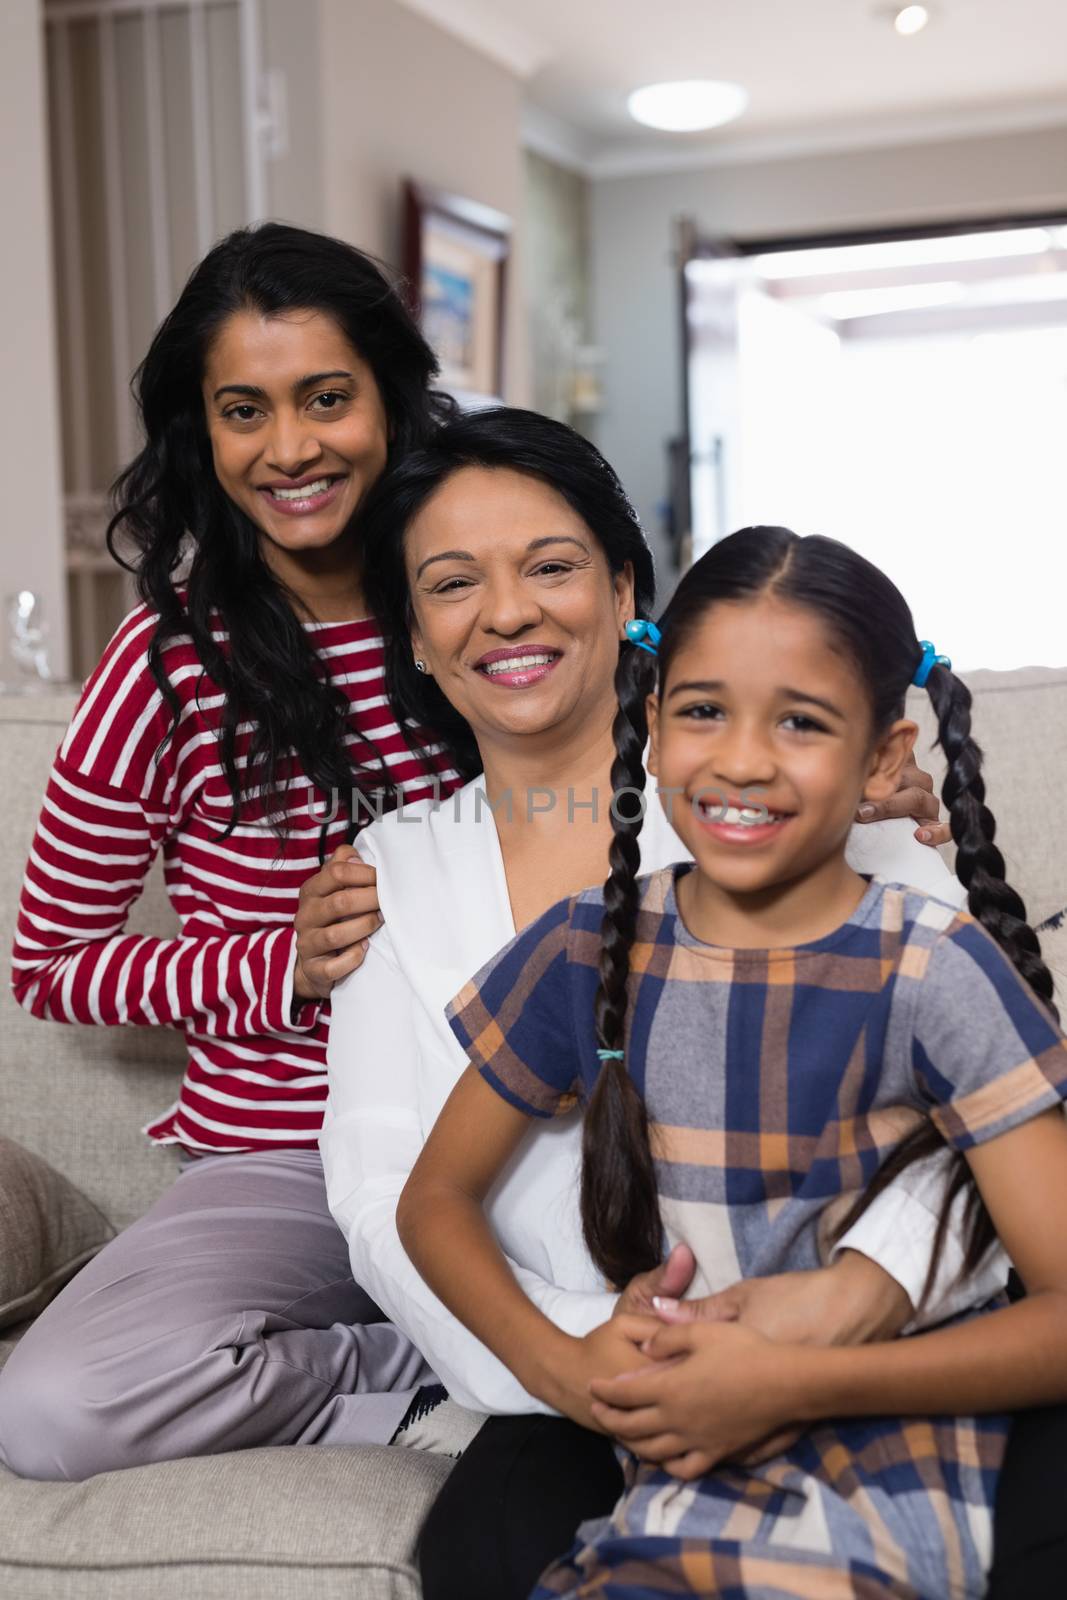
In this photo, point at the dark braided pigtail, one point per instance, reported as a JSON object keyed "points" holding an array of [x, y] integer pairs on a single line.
{"points": [[1000, 910], [979, 864], [620, 1210]]}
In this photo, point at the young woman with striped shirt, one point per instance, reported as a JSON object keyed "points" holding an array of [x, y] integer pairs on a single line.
{"points": [[245, 690]]}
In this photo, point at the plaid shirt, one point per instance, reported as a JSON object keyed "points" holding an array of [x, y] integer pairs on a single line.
{"points": [[777, 1082]]}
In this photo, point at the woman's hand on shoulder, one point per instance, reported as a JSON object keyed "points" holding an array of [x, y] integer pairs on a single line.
{"points": [[915, 798], [337, 913]]}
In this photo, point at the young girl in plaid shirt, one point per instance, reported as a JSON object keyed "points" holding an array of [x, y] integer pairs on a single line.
{"points": [[759, 1042]]}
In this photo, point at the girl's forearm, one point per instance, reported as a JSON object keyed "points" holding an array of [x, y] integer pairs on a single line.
{"points": [[1003, 1361], [446, 1234]]}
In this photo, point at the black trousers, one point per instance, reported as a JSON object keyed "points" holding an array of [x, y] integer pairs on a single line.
{"points": [[1030, 1527], [514, 1501], [511, 1504]]}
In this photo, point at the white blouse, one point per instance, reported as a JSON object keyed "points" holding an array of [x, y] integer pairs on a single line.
{"points": [[393, 1061]]}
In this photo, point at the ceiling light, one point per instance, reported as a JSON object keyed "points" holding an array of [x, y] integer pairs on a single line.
{"points": [[911, 19], [689, 106], [989, 245], [1041, 288], [844, 304]]}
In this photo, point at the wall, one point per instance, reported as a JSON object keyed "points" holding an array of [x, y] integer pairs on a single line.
{"points": [[635, 295], [290, 37], [31, 546], [400, 98], [129, 225], [557, 279]]}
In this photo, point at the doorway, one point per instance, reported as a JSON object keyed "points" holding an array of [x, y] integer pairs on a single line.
{"points": [[906, 393]]}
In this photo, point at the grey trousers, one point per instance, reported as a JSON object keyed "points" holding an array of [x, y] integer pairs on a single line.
{"points": [[226, 1317]]}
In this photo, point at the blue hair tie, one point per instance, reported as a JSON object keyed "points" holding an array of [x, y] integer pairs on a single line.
{"points": [[611, 1055], [645, 635], [930, 659]]}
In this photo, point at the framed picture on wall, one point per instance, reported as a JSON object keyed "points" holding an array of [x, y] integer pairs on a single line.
{"points": [[455, 259]]}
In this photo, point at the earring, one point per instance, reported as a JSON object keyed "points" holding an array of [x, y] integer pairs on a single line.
{"points": [[420, 666]]}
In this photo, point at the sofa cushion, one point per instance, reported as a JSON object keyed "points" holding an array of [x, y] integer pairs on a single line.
{"points": [[1054, 951], [78, 1096], [299, 1523], [48, 1229], [9, 1338]]}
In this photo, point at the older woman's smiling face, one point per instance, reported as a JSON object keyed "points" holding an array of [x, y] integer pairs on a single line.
{"points": [[516, 612]]}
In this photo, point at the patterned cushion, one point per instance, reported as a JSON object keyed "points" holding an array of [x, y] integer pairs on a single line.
{"points": [[48, 1229]]}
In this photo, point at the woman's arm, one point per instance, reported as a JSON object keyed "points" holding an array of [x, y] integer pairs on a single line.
{"points": [[73, 961], [370, 1141], [898, 1231], [442, 1225], [888, 850], [876, 1276]]}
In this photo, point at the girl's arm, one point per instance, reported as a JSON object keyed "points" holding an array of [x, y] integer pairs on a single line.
{"points": [[442, 1225], [733, 1387]]}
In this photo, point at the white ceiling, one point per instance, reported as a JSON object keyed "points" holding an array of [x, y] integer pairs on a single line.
{"points": [[820, 73]]}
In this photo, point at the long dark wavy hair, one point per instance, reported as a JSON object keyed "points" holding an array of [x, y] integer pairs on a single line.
{"points": [[869, 620], [498, 437], [171, 507]]}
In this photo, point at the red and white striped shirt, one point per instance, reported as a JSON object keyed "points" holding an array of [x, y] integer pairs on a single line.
{"points": [[256, 1073]]}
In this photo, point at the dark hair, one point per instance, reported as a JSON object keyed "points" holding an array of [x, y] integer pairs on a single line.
{"points": [[171, 506], [870, 620], [497, 437]]}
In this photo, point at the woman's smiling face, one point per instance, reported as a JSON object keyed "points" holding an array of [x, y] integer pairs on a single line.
{"points": [[297, 426], [516, 612]]}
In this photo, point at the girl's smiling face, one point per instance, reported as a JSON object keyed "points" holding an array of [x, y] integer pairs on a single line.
{"points": [[761, 706], [516, 611]]}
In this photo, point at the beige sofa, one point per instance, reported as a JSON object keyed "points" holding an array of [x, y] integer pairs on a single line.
{"points": [[310, 1523]]}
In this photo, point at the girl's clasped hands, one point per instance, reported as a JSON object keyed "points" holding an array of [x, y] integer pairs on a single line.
{"points": [[690, 1383], [706, 1392]]}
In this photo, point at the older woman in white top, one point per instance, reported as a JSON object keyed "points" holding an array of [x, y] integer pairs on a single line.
{"points": [[505, 563]]}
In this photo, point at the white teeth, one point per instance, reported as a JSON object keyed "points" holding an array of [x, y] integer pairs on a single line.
{"points": [[304, 492], [735, 815], [516, 664]]}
